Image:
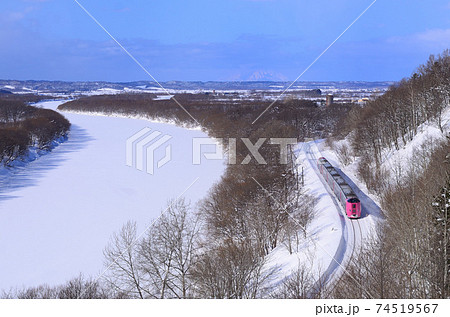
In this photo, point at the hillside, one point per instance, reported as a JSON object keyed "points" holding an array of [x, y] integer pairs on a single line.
{"points": [[401, 158]]}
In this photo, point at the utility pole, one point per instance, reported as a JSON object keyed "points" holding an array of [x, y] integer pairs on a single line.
{"points": [[303, 179]]}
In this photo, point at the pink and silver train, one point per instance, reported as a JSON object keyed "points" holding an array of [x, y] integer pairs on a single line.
{"points": [[340, 188]]}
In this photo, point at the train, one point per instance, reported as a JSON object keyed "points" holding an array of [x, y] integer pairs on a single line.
{"points": [[342, 191]]}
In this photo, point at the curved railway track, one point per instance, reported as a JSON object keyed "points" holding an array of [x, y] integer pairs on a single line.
{"points": [[356, 235], [357, 244]]}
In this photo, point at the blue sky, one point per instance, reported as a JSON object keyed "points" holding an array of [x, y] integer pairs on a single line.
{"points": [[219, 40]]}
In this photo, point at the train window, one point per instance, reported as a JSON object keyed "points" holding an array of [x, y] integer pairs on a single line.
{"points": [[353, 206]]}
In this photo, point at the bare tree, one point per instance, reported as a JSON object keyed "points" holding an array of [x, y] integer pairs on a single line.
{"points": [[168, 252], [344, 153], [294, 230], [300, 284], [233, 269], [121, 261], [76, 288]]}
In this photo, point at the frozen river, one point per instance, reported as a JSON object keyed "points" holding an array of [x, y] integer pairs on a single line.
{"points": [[58, 212]]}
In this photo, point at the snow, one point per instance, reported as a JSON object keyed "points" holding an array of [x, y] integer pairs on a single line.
{"points": [[428, 137], [164, 97], [58, 211], [137, 116], [397, 162], [332, 240], [113, 91], [371, 213], [425, 140], [106, 91], [326, 235]]}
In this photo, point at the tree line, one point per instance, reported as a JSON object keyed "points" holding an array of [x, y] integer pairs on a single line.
{"points": [[215, 112], [392, 120], [23, 126]]}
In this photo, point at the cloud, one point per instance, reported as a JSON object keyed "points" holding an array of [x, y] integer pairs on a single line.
{"points": [[22, 12], [435, 35], [15, 16], [31, 56], [431, 40]]}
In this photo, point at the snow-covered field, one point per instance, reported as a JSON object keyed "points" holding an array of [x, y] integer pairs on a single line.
{"points": [[58, 212]]}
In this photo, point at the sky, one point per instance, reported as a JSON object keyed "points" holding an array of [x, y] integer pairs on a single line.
{"points": [[212, 40]]}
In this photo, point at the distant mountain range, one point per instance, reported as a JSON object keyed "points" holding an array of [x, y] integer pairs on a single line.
{"points": [[267, 76], [55, 87]]}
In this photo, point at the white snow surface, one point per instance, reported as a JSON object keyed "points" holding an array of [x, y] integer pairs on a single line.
{"points": [[428, 137], [58, 212], [326, 235], [164, 97], [126, 90]]}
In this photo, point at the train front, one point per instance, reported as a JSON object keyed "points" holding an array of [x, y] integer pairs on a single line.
{"points": [[353, 208]]}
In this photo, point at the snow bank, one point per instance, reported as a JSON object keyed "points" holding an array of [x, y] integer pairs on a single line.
{"points": [[136, 116]]}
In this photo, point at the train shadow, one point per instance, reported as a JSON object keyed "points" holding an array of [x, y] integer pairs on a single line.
{"points": [[369, 207], [27, 173]]}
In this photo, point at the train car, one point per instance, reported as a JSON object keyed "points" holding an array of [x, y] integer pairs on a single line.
{"points": [[340, 188]]}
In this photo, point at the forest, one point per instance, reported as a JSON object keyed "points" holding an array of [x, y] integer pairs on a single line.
{"points": [[23, 126]]}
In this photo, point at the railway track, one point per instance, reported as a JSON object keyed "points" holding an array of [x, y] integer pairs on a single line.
{"points": [[356, 249], [355, 239], [356, 235]]}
